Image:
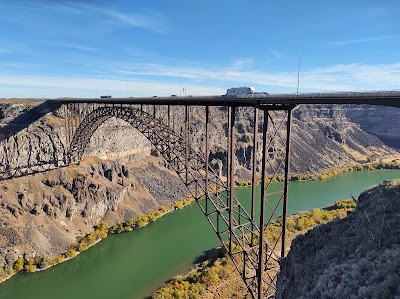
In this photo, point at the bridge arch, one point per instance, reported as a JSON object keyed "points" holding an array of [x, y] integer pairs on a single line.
{"points": [[171, 145], [138, 119]]}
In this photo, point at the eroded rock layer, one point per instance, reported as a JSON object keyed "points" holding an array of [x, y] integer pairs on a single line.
{"points": [[43, 214]]}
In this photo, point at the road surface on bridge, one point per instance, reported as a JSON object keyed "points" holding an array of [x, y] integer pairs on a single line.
{"points": [[382, 98]]}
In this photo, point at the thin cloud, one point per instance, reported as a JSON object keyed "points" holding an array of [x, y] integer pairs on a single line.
{"points": [[243, 63], [23, 7], [136, 20], [361, 40], [276, 54], [336, 77], [93, 11], [62, 7], [148, 79], [386, 52], [19, 65], [81, 47], [78, 86], [149, 21], [5, 51], [13, 48]]}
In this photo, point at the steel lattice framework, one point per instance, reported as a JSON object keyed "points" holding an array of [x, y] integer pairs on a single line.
{"points": [[241, 232]]}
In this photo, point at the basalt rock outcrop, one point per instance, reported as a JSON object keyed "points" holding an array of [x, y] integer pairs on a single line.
{"points": [[354, 257]]}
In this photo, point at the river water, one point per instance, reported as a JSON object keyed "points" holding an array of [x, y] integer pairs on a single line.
{"points": [[132, 265]]}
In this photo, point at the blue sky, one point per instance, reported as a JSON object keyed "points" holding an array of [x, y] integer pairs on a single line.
{"points": [[158, 47]]}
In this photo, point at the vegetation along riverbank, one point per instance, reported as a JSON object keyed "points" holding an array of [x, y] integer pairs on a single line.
{"points": [[217, 277], [394, 164], [347, 250], [25, 264]]}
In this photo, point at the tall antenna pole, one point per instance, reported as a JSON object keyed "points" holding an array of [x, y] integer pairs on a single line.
{"points": [[298, 76]]}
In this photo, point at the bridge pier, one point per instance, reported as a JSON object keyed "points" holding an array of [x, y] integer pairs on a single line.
{"points": [[207, 150], [231, 178], [287, 178], [261, 248]]}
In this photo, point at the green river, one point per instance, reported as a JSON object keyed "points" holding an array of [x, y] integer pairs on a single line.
{"points": [[132, 265]]}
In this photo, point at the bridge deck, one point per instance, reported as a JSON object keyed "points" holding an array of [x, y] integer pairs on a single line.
{"points": [[383, 98]]}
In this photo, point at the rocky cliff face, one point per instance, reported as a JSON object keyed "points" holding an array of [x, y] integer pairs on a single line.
{"points": [[354, 257], [341, 139], [383, 122], [24, 144], [324, 137], [44, 213]]}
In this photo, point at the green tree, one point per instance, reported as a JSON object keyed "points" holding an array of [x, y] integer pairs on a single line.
{"points": [[19, 264], [30, 268], [82, 246], [70, 253]]}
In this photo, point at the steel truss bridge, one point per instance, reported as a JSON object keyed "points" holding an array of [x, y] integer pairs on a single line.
{"points": [[240, 229]]}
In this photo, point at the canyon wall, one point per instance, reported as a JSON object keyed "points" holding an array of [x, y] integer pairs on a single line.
{"points": [[44, 212]]}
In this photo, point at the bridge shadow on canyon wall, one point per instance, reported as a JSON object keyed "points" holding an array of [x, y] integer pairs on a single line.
{"points": [[18, 124], [26, 170], [393, 141], [27, 118]]}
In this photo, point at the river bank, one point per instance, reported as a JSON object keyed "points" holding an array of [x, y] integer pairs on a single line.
{"points": [[217, 278], [388, 164], [25, 265]]}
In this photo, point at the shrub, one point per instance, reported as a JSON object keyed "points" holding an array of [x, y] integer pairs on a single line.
{"points": [[57, 260], [304, 223], [70, 253], [101, 226], [44, 263], [178, 205], [19, 264], [30, 268], [151, 217], [82, 247], [358, 167], [91, 238], [345, 204], [141, 223], [368, 166]]}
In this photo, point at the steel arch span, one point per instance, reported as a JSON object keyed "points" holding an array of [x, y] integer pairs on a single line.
{"points": [[237, 230]]}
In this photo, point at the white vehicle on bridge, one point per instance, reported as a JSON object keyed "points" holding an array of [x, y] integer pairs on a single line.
{"points": [[236, 91]]}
